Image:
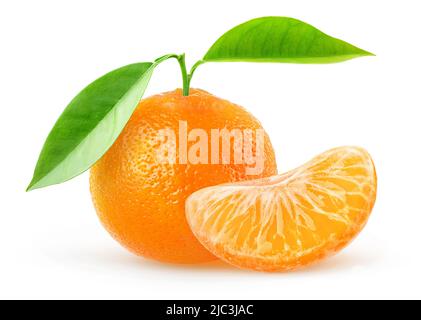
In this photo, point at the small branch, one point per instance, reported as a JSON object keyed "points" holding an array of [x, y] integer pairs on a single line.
{"points": [[182, 61]]}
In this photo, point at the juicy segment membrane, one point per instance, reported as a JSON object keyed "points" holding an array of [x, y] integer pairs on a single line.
{"points": [[291, 220]]}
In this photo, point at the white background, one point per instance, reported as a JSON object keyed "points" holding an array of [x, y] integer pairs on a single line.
{"points": [[51, 243]]}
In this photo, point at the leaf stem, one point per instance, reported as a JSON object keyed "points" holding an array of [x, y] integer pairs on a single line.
{"points": [[193, 69], [166, 57]]}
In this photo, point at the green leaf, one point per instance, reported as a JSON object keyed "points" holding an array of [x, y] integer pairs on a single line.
{"points": [[280, 39], [90, 124]]}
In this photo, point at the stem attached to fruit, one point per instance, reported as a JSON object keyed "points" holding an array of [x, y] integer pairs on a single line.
{"points": [[185, 75], [186, 83]]}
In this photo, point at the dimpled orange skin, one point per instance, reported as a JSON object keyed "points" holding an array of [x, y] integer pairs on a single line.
{"points": [[140, 201]]}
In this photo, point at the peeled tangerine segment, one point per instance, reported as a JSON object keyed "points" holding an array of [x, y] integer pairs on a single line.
{"points": [[291, 220]]}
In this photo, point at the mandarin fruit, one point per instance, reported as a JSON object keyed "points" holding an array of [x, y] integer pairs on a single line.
{"points": [[141, 200], [288, 221]]}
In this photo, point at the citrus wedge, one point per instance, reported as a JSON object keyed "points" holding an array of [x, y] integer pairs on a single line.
{"points": [[291, 220]]}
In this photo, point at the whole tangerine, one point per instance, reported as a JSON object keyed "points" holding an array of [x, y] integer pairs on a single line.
{"points": [[141, 200]]}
